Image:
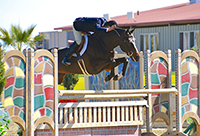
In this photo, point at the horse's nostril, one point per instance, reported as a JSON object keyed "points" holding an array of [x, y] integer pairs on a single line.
{"points": [[137, 57]]}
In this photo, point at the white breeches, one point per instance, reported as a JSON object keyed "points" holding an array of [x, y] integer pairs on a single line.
{"points": [[77, 36]]}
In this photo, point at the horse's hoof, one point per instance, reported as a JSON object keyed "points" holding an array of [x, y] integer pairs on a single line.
{"points": [[107, 78], [115, 78], [146, 97]]}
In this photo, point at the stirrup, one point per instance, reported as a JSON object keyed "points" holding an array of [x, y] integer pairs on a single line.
{"points": [[66, 62]]}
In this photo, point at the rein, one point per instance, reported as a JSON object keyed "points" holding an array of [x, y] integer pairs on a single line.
{"points": [[102, 43], [123, 43]]}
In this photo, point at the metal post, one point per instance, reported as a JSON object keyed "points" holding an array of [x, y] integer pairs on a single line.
{"points": [[178, 87], [170, 94], [198, 52], [30, 92], [141, 70], [149, 101], [55, 53]]}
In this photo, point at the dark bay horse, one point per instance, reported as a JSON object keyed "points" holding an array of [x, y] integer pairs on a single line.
{"points": [[99, 54]]}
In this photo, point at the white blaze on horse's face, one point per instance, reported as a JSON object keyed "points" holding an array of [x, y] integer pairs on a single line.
{"points": [[133, 53]]}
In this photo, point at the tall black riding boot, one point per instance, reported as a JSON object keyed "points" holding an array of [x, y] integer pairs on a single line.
{"points": [[73, 48]]}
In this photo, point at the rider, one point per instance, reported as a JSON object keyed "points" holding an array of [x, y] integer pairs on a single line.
{"points": [[85, 25]]}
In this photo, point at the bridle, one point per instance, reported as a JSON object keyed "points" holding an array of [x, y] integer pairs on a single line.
{"points": [[123, 43]]}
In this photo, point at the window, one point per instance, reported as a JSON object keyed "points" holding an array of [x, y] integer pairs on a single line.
{"points": [[149, 42], [189, 40]]}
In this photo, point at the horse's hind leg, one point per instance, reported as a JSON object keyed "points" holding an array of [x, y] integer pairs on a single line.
{"points": [[115, 63], [60, 77]]}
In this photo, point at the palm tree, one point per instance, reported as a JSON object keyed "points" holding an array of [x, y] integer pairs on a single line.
{"points": [[2, 71], [17, 37]]}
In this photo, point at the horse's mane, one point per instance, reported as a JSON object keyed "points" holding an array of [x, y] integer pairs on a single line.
{"points": [[117, 28]]}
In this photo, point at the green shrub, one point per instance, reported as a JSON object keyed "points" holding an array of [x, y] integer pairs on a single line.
{"points": [[4, 121], [70, 81]]}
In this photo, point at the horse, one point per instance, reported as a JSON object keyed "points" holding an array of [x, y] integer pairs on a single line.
{"points": [[99, 54]]}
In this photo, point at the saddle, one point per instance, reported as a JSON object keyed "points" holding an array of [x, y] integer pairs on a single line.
{"points": [[81, 50], [81, 47]]}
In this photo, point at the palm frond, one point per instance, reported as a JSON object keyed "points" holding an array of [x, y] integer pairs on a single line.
{"points": [[6, 37], [17, 33], [18, 37], [31, 44], [24, 37], [30, 30], [38, 38], [3, 31], [14, 31]]}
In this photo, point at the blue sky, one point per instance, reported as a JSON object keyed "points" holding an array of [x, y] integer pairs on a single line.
{"points": [[48, 14]]}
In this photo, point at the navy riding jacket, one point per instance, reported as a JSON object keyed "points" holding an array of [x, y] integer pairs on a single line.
{"points": [[90, 24]]}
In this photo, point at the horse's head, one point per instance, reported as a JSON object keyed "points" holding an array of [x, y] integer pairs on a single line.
{"points": [[128, 45]]}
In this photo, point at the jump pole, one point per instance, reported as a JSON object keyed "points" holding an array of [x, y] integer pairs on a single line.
{"points": [[114, 96], [135, 91]]}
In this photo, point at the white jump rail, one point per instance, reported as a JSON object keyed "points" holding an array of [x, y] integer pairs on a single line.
{"points": [[115, 96], [135, 91]]}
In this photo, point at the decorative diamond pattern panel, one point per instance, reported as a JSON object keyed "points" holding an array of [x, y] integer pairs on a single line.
{"points": [[189, 85], [14, 91], [159, 72], [44, 88]]}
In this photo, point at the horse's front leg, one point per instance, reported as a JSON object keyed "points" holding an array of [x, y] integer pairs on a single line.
{"points": [[115, 63], [123, 72], [112, 72]]}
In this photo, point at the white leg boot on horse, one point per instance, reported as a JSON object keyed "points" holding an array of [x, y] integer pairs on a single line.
{"points": [[73, 48]]}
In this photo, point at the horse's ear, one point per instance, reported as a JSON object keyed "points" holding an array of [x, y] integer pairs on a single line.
{"points": [[132, 30], [127, 31]]}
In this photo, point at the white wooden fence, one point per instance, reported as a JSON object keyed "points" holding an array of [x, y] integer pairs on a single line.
{"points": [[101, 114]]}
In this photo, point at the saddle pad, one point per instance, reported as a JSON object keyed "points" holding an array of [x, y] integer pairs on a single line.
{"points": [[84, 47]]}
